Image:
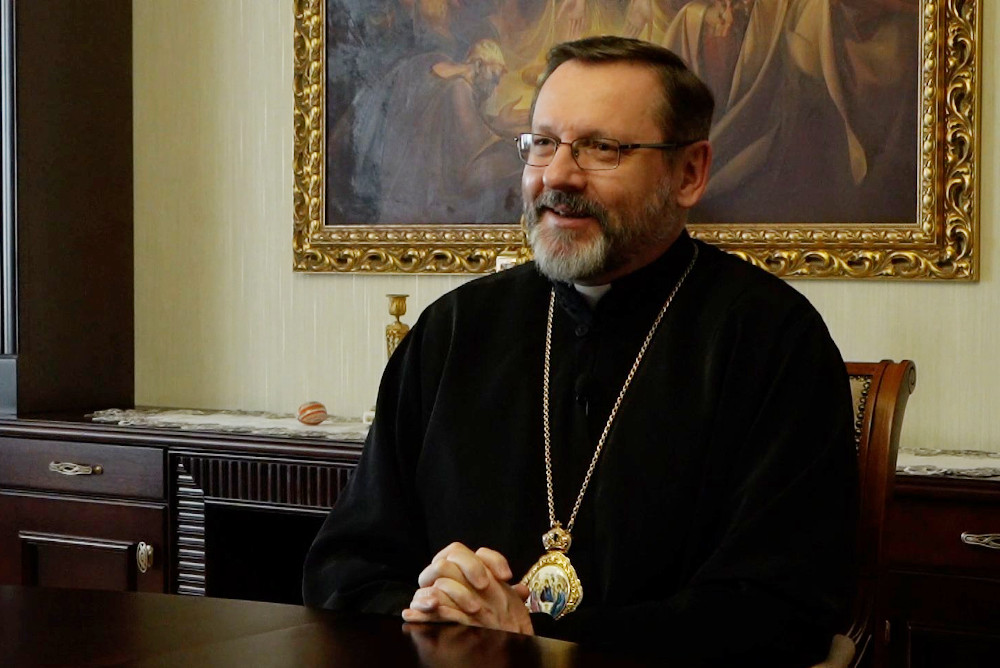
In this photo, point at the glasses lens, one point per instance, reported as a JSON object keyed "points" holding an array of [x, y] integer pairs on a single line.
{"points": [[536, 150], [596, 153], [591, 154]]}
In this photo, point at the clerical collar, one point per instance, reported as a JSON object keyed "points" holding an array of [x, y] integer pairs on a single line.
{"points": [[592, 293], [647, 285]]}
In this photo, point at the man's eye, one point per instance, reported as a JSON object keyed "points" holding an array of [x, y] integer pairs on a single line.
{"points": [[598, 146], [543, 142]]}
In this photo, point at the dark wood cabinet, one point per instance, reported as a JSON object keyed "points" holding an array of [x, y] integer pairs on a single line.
{"points": [[231, 516], [85, 515], [78, 543], [66, 247], [244, 521], [941, 592]]}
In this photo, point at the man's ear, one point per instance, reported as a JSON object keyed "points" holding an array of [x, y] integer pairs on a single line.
{"points": [[691, 170]]}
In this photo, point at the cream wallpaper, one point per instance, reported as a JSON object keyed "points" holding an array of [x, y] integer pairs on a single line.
{"points": [[222, 322]]}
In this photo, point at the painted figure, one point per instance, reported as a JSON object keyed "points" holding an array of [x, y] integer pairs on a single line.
{"points": [[815, 117], [426, 150]]}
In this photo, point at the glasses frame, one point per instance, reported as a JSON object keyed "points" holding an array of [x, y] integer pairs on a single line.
{"points": [[665, 146]]}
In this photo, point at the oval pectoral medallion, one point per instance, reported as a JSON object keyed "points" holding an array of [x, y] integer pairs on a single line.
{"points": [[553, 586]]}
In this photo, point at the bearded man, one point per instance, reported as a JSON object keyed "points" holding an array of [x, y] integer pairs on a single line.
{"points": [[674, 421]]}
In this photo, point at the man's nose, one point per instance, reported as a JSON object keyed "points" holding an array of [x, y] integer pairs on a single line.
{"points": [[563, 173]]}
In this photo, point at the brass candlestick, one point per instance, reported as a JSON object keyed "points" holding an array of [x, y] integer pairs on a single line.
{"points": [[395, 331]]}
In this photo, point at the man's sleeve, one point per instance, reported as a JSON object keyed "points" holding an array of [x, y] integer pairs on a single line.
{"points": [[780, 579], [372, 546]]}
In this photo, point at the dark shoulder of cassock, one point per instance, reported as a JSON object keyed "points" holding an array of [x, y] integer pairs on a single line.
{"points": [[720, 520]]}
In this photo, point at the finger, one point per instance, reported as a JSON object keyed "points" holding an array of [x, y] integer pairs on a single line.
{"points": [[503, 608], [472, 567], [522, 591], [440, 616], [496, 562], [454, 616], [473, 570], [465, 599], [430, 599], [427, 599], [417, 616], [448, 549], [516, 617], [440, 568], [420, 617]]}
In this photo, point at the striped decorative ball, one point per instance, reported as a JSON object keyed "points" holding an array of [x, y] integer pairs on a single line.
{"points": [[312, 412]]}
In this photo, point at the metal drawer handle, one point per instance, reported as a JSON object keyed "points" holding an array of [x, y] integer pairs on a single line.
{"points": [[990, 541], [144, 556], [69, 468]]}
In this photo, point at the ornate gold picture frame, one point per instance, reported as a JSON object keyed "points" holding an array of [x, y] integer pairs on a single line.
{"points": [[941, 242]]}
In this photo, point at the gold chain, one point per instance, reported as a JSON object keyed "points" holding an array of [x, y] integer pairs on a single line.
{"points": [[614, 409]]}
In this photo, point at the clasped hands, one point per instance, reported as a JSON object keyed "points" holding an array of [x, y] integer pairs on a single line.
{"points": [[470, 588]]}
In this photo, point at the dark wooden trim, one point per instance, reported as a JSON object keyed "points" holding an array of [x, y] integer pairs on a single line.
{"points": [[274, 482], [84, 500], [56, 429], [966, 489], [188, 532]]}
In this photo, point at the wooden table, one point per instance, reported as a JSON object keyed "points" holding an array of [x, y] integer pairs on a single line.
{"points": [[41, 626]]}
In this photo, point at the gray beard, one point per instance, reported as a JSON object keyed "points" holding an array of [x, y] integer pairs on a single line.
{"points": [[561, 256], [557, 258]]}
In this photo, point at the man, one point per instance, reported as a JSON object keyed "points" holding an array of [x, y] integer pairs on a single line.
{"points": [[684, 416]]}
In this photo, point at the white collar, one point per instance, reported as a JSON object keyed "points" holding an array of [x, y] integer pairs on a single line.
{"points": [[592, 293]]}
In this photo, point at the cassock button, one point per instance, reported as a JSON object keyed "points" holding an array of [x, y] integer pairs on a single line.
{"points": [[582, 330]]}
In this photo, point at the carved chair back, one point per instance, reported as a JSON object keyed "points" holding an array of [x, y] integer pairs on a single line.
{"points": [[880, 392]]}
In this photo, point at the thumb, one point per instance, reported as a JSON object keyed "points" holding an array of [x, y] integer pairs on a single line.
{"points": [[521, 590]]}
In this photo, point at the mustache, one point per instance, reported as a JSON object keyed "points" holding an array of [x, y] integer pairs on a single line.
{"points": [[572, 204]]}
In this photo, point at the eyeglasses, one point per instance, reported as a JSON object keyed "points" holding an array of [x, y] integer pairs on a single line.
{"points": [[589, 153]]}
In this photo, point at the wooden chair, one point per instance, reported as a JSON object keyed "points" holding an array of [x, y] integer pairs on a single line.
{"points": [[880, 392]]}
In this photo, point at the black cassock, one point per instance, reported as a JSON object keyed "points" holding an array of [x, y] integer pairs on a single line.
{"points": [[720, 521]]}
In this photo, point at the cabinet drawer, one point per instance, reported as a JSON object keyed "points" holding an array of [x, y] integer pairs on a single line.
{"points": [[84, 468], [928, 533], [69, 541]]}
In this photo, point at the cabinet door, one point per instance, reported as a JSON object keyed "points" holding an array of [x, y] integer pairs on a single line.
{"points": [[941, 621], [940, 592], [54, 541]]}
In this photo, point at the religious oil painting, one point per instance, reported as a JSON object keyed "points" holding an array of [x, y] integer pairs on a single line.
{"points": [[845, 133]]}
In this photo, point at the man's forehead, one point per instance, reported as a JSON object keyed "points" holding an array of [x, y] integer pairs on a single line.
{"points": [[592, 97]]}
